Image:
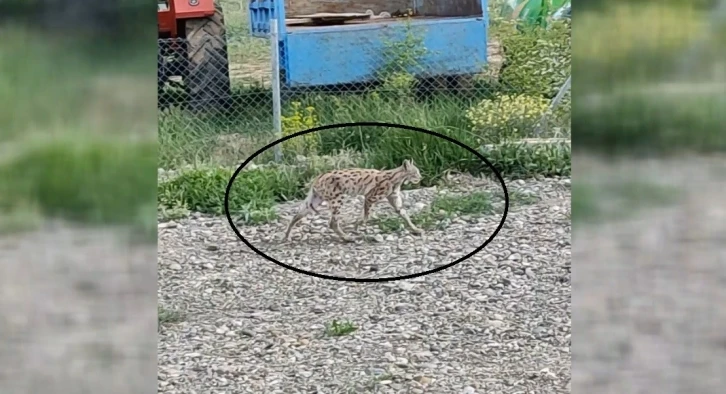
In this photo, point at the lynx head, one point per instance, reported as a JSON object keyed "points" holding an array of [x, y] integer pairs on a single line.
{"points": [[412, 173]]}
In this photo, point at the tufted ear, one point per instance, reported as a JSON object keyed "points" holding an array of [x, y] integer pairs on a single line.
{"points": [[407, 164]]}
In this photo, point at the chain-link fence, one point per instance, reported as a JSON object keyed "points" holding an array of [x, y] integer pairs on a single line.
{"points": [[218, 97]]}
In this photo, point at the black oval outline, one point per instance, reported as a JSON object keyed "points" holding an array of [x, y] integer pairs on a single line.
{"points": [[366, 280]]}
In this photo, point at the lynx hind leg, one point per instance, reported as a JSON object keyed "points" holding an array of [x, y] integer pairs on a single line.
{"points": [[315, 203], [311, 204], [335, 204]]}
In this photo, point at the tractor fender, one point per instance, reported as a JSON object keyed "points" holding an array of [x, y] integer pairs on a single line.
{"points": [[193, 9]]}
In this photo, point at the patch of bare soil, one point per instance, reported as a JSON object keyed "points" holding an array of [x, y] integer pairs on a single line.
{"points": [[251, 73]]}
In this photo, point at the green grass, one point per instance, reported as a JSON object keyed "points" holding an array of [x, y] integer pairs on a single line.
{"points": [[252, 198], [468, 204], [255, 192], [75, 132], [441, 211], [88, 181], [249, 54], [169, 316], [444, 208], [518, 198], [652, 122], [340, 328], [174, 211], [20, 217], [227, 138], [198, 141], [593, 203]]}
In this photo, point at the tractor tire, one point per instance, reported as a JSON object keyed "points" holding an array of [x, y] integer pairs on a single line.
{"points": [[207, 80]]}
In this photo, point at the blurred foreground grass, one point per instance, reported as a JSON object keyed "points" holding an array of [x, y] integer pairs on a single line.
{"points": [[648, 122], [650, 78], [77, 133], [650, 83]]}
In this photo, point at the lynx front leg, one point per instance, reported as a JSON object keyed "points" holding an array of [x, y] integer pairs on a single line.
{"points": [[397, 204]]}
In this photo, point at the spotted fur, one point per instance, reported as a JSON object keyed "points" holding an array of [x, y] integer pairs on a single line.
{"points": [[375, 185]]}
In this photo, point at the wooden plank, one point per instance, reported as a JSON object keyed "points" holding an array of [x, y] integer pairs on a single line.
{"points": [[327, 18], [294, 8], [297, 21], [352, 15]]}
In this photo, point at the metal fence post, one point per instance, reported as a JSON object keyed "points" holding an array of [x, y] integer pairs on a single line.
{"points": [[276, 99], [542, 125]]}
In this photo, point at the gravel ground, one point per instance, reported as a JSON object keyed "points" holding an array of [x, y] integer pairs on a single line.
{"points": [[77, 312], [649, 291], [498, 322]]}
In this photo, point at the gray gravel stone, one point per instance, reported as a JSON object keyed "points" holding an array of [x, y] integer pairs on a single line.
{"points": [[468, 327]]}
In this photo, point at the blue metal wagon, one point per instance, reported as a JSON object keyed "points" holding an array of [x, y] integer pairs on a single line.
{"points": [[454, 33]]}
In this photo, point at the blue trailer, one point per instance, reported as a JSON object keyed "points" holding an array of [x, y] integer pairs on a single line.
{"points": [[454, 33]]}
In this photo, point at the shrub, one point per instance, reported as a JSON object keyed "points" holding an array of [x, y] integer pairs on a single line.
{"points": [[203, 190], [300, 119], [653, 123], [399, 83], [403, 56], [537, 59], [506, 117], [519, 160], [635, 41], [254, 192], [432, 155], [86, 181], [624, 29]]}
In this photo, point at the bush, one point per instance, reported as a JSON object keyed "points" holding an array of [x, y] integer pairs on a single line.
{"points": [[506, 117], [432, 155], [92, 181], [254, 192], [519, 160], [537, 59], [400, 84], [300, 119], [203, 190], [655, 123], [634, 41]]}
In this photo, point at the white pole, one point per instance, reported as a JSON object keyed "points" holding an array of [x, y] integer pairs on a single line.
{"points": [[276, 104]]}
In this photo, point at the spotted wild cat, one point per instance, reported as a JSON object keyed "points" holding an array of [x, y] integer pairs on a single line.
{"points": [[375, 185]]}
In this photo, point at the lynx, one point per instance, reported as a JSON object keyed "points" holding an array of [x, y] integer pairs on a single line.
{"points": [[375, 185]]}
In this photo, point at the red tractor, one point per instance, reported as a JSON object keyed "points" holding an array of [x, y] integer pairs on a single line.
{"points": [[193, 46]]}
